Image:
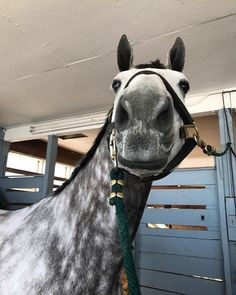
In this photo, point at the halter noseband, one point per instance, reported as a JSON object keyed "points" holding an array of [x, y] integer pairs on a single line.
{"points": [[190, 141]]}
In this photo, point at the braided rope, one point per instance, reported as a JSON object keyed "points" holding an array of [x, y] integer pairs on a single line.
{"points": [[116, 199]]}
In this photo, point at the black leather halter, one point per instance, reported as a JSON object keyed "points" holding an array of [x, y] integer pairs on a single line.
{"points": [[190, 142]]}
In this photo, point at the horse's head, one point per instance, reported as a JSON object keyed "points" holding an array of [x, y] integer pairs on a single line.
{"points": [[146, 122]]}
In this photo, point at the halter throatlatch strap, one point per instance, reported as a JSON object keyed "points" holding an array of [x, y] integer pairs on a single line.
{"points": [[116, 198]]}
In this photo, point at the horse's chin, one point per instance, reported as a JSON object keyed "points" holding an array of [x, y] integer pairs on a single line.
{"points": [[143, 168]]}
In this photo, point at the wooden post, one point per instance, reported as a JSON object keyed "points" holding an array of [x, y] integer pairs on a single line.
{"points": [[4, 149], [226, 179], [50, 165]]}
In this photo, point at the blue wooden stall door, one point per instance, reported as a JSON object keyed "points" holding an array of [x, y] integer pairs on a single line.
{"points": [[178, 242]]}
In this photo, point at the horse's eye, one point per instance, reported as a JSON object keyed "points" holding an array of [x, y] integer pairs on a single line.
{"points": [[184, 85], [116, 85]]}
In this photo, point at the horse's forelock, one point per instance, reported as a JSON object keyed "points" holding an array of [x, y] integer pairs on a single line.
{"points": [[153, 64]]}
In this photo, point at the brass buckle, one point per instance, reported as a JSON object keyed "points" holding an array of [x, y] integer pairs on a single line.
{"points": [[112, 144], [186, 133]]}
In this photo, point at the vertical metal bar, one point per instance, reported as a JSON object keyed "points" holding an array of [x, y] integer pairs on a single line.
{"points": [[2, 133], [226, 180], [4, 149], [223, 227], [227, 135], [50, 165]]}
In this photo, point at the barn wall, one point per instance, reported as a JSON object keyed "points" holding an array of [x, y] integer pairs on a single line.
{"points": [[209, 130]]}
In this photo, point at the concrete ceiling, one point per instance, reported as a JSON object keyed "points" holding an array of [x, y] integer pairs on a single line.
{"points": [[58, 57]]}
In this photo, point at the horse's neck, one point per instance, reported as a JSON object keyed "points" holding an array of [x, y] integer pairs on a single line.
{"points": [[85, 202], [83, 205], [86, 221], [136, 194], [73, 236]]}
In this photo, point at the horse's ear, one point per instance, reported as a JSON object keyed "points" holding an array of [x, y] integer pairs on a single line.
{"points": [[124, 54], [176, 56]]}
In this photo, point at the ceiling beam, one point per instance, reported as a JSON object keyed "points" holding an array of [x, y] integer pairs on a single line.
{"points": [[38, 148]]}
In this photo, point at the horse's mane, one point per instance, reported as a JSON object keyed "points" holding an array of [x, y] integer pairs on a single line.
{"points": [[86, 158], [153, 64]]}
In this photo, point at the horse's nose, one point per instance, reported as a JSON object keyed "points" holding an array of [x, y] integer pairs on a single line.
{"points": [[153, 110]]}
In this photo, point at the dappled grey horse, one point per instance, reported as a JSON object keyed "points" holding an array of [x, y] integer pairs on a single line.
{"points": [[67, 243]]}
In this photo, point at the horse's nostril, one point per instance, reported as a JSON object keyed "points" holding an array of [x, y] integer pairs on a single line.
{"points": [[122, 117], [163, 119]]}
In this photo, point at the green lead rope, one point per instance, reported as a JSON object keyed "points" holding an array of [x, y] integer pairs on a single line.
{"points": [[116, 198]]}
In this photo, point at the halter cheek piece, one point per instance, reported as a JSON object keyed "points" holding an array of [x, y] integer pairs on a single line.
{"points": [[190, 141]]}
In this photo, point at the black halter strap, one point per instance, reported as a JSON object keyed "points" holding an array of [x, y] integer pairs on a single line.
{"points": [[178, 104], [190, 142]]}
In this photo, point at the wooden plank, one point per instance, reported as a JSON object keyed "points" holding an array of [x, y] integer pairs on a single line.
{"points": [[181, 216], [183, 197], [21, 182], [180, 284], [181, 246], [29, 173], [151, 291], [185, 265], [22, 197], [209, 234], [201, 176], [178, 187]]}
